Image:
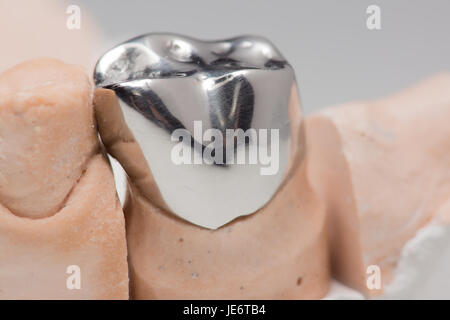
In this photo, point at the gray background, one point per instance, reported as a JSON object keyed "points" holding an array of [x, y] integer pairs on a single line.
{"points": [[336, 58]]}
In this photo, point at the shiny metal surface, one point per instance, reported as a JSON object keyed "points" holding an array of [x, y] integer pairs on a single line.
{"points": [[167, 82]]}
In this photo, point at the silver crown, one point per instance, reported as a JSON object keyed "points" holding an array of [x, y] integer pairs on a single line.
{"points": [[216, 120]]}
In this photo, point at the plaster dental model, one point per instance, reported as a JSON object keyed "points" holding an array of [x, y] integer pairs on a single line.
{"points": [[214, 212], [200, 223], [383, 169], [62, 233]]}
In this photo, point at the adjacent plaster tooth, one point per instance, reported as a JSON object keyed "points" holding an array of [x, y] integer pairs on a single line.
{"points": [[168, 82], [40, 167], [384, 170], [60, 218]]}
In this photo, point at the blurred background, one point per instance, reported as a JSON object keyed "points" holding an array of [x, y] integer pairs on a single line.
{"points": [[336, 57]]}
